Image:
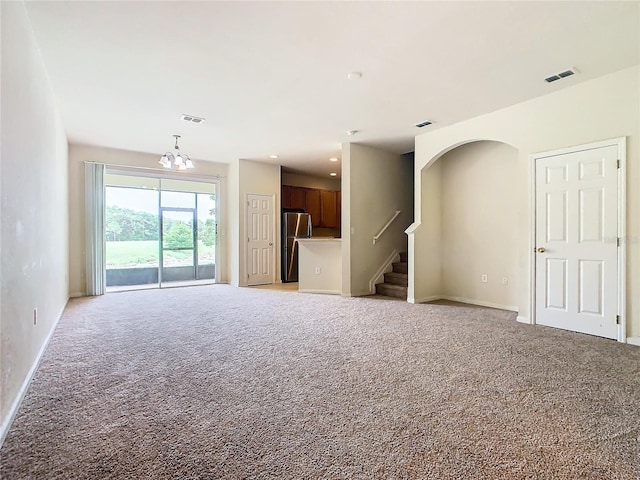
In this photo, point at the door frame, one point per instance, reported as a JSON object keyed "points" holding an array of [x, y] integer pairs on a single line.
{"points": [[621, 144], [276, 244]]}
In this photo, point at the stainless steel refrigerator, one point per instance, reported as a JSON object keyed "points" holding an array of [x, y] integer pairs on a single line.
{"points": [[295, 225]]}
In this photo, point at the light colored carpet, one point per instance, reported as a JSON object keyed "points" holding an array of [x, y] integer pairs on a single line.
{"points": [[219, 382]]}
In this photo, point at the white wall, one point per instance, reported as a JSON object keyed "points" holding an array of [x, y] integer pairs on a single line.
{"points": [[379, 183], [478, 224], [257, 178], [34, 191], [78, 154], [604, 108]]}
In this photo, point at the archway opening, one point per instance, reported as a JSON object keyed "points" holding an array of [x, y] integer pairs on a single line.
{"points": [[471, 205]]}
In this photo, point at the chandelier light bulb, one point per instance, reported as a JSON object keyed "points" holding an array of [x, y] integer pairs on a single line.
{"points": [[177, 160]]}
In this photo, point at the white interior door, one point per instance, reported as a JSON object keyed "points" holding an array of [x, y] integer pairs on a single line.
{"points": [[577, 241], [260, 239]]}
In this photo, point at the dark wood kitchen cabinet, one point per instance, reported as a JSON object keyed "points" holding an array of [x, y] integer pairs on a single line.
{"points": [[293, 197], [323, 205], [298, 198], [314, 206], [329, 209]]}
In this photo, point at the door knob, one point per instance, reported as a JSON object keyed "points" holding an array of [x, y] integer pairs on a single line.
{"points": [[271, 244], [541, 250]]}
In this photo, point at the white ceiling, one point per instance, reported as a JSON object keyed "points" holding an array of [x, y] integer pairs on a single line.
{"points": [[271, 77]]}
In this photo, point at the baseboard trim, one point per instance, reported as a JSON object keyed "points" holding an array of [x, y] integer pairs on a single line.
{"points": [[522, 319], [360, 294], [325, 292], [15, 406], [432, 298], [634, 341], [480, 303], [77, 294]]}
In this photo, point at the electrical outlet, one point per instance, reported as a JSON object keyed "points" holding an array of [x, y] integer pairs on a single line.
{"points": [[317, 270], [484, 278], [505, 281], [35, 316]]}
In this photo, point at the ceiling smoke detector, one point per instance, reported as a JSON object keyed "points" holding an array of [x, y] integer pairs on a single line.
{"points": [[192, 118]]}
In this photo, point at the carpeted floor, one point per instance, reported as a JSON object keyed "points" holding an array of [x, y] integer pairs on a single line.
{"points": [[216, 382]]}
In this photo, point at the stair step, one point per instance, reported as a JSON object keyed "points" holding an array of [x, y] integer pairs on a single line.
{"points": [[390, 290], [395, 278], [401, 267], [404, 257]]}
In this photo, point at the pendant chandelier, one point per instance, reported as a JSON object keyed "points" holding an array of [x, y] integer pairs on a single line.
{"points": [[176, 160]]}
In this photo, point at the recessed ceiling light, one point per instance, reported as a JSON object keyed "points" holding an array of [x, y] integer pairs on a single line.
{"points": [[354, 75], [333, 159], [352, 132], [273, 155], [333, 174]]}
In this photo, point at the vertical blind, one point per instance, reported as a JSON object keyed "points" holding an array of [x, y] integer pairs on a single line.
{"points": [[94, 211]]}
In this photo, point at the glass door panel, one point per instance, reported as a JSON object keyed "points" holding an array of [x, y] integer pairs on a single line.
{"points": [[131, 234], [178, 246], [207, 235]]}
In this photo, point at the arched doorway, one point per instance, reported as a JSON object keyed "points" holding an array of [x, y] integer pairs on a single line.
{"points": [[469, 230]]}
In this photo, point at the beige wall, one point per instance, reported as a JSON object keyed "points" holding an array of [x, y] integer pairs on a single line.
{"points": [[233, 246], [257, 178], [78, 154], [479, 224], [604, 108], [345, 220], [34, 265], [320, 266], [379, 183], [310, 181]]}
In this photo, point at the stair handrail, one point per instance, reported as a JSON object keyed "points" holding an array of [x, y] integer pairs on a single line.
{"points": [[395, 215]]}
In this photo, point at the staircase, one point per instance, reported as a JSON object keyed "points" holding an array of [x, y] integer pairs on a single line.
{"points": [[396, 282]]}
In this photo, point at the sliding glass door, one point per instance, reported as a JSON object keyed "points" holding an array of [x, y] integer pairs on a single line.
{"points": [[131, 231], [178, 245], [159, 232]]}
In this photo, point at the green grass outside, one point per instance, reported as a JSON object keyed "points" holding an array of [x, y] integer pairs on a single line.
{"points": [[145, 254]]}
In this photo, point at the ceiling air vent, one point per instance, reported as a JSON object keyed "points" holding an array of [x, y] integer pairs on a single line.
{"points": [[423, 124], [192, 119], [558, 76]]}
